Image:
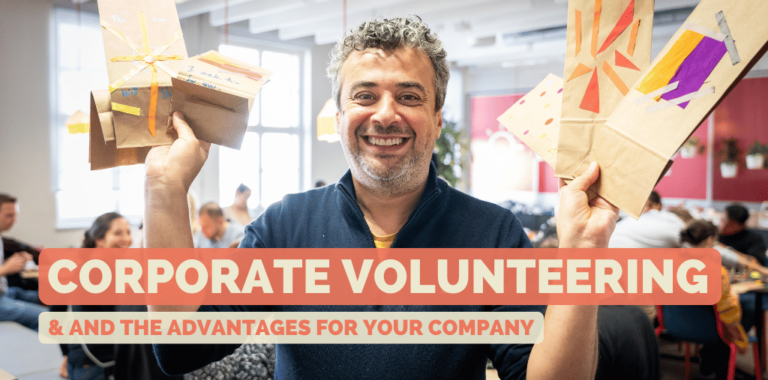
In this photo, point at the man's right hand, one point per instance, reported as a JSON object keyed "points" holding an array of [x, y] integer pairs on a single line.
{"points": [[13, 264], [178, 164]]}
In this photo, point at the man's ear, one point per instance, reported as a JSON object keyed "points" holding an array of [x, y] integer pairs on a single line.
{"points": [[439, 125], [336, 122]]}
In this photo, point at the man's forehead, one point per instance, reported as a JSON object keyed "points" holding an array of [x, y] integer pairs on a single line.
{"points": [[8, 207], [403, 59]]}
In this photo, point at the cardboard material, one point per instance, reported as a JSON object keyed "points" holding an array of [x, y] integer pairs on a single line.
{"points": [[535, 119], [215, 93], [634, 146], [103, 153], [588, 100], [144, 49]]}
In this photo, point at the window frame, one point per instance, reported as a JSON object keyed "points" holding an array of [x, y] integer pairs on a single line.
{"points": [[57, 120], [302, 130]]}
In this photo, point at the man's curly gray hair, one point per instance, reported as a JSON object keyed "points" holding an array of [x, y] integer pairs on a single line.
{"points": [[391, 34]]}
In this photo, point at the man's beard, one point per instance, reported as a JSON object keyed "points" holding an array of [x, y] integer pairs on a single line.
{"points": [[399, 178]]}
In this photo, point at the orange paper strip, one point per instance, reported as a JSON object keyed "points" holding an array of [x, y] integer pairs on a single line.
{"points": [[663, 72], [578, 32], [596, 26], [621, 25], [591, 100], [615, 78], [633, 38], [152, 102], [581, 69], [623, 61]]}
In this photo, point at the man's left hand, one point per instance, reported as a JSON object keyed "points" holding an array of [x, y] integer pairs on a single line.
{"points": [[582, 223]]}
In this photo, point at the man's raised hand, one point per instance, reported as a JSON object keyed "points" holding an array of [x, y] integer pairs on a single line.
{"points": [[582, 223]]}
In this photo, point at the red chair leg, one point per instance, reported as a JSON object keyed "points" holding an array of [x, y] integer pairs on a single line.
{"points": [[732, 362], [758, 373], [687, 361]]}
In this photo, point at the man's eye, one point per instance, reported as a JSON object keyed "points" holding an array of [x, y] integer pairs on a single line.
{"points": [[364, 96], [410, 98]]}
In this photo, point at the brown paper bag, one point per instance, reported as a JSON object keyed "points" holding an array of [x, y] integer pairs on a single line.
{"points": [[608, 45], [103, 153], [715, 48], [144, 48], [535, 119], [215, 93]]}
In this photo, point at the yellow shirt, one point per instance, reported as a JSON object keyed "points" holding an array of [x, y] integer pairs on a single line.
{"points": [[383, 241]]}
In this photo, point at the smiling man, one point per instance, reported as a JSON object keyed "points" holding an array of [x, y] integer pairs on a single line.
{"points": [[389, 79]]}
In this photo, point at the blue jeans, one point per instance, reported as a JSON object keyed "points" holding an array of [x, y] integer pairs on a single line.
{"points": [[22, 306], [92, 372]]}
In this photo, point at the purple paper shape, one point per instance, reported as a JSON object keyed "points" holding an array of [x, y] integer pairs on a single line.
{"points": [[696, 68]]}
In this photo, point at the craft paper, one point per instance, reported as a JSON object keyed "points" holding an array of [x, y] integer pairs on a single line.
{"points": [[623, 23], [144, 48], [634, 146], [591, 99], [578, 32], [535, 119], [633, 38], [623, 61], [215, 94], [615, 78], [580, 70], [663, 72], [723, 25], [696, 68], [103, 152], [588, 100]]}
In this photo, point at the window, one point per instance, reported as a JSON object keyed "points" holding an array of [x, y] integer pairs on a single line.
{"points": [[79, 67], [270, 159]]}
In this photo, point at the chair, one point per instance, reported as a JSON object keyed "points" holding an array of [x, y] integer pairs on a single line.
{"points": [[700, 325]]}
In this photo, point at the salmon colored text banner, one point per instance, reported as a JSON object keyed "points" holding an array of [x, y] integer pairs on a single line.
{"points": [[380, 276]]}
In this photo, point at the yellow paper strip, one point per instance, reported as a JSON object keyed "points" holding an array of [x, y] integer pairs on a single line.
{"points": [[663, 72], [578, 32], [144, 33], [79, 128], [615, 78], [124, 78], [124, 108], [633, 38], [596, 26]]}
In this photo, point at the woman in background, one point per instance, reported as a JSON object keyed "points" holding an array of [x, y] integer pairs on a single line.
{"points": [[714, 357], [94, 361]]}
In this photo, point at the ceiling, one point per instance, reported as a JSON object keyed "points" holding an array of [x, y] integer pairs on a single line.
{"points": [[506, 33]]}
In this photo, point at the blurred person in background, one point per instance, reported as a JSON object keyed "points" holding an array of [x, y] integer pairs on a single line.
{"points": [[16, 304], [215, 231], [714, 357], [238, 212], [733, 233]]}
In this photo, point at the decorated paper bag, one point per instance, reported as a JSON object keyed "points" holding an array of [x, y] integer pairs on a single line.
{"points": [[144, 48], [608, 45], [712, 51], [535, 119], [215, 93], [103, 152]]}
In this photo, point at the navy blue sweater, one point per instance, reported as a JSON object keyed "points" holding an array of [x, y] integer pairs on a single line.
{"points": [[330, 217]]}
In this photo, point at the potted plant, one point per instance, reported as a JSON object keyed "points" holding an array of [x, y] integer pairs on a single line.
{"points": [[691, 147], [451, 149], [755, 156], [729, 156]]}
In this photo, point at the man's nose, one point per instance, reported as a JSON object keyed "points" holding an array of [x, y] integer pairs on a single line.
{"points": [[387, 112]]}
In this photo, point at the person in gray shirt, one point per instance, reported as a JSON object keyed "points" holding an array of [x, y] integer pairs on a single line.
{"points": [[215, 231]]}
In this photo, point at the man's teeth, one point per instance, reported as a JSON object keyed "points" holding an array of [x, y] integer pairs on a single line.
{"points": [[385, 142]]}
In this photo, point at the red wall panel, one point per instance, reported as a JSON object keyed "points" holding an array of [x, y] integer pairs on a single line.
{"points": [[743, 115], [688, 176]]}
